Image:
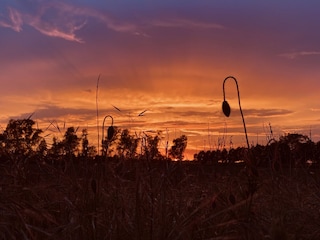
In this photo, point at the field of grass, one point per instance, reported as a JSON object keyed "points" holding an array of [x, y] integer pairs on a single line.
{"points": [[139, 199]]}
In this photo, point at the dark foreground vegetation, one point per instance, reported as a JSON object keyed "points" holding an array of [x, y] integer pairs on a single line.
{"points": [[65, 193]]}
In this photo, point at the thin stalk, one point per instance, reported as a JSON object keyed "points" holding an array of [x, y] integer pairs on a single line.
{"points": [[97, 110]]}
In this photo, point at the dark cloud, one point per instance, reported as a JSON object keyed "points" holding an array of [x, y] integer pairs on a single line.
{"points": [[177, 123], [192, 113], [267, 112], [260, 113], [55, 112]]}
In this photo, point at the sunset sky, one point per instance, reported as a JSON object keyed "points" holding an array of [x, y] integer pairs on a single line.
{"points": [[167, 57]]}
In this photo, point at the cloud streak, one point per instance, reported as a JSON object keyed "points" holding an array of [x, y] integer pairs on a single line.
{"points": [[258, 113], [294, 55], [185, 23], [61, 20], [267, 112]]}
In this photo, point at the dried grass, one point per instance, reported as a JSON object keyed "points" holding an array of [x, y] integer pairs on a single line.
{"points": [[155, 200]]}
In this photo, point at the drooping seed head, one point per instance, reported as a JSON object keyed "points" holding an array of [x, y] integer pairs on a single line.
{"points": [[226, 108]]}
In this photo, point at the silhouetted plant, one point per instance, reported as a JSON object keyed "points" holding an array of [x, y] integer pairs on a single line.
{"points": [[85, 143], [71, 141], [97, 111], [128, 144], [300, 148], [110, 135], [178, 148], [251, 168], [42, 148], [158, 200], [110, 131], [226, 107], [87, 150], [150, 147], [21, 139], [57, 148]]}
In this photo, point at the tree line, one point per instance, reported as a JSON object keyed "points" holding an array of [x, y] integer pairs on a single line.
{"points": [[291, 150], [22, 141]]}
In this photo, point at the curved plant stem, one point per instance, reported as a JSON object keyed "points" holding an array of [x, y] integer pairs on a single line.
{"points": [[104, 119], [103, 124], [224, 99]]}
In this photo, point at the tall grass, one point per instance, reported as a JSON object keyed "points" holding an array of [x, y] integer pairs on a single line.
{"points": [[131, 199]]}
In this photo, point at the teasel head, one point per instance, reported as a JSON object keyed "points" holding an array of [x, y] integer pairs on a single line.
{"points": [[111, 129], [110, 132]]}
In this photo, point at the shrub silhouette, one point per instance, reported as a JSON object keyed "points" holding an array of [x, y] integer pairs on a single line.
{"points": [[20, 139], [178, 148], [127, 146]]}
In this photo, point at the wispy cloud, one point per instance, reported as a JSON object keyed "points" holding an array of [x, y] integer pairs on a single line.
{"points": [[67, 33], [185, 23], [62, 20], [63, 26], [13, 20], [293, 55]]}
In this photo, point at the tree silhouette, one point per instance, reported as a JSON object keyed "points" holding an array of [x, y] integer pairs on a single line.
{"points": [[68, 146], [300, 147], [70, 141], [57, 148], [42, 149], [150, 147], [127, 146], [21, 139], [178, 148]]}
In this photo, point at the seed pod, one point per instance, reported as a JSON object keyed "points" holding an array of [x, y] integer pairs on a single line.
{"points": [[110, 132], [226, 108]]}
